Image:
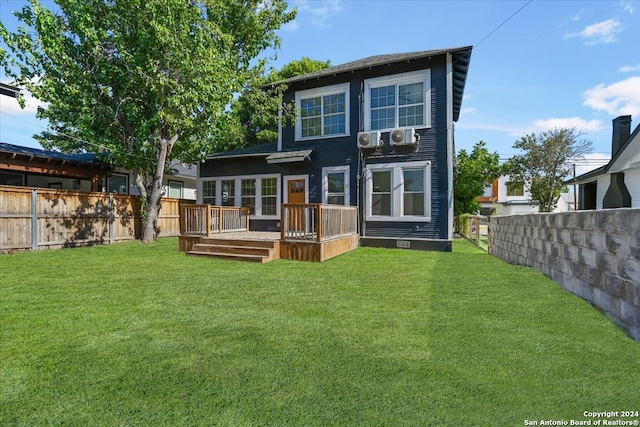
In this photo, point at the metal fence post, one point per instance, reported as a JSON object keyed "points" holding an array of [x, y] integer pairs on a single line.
{"points": [[34, 219]]}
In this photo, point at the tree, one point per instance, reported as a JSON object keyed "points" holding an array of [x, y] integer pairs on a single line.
{"points": [[141, 81], [253, 117], [474, 172], [546, 163]]}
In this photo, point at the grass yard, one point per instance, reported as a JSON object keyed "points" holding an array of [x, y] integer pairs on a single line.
{"points": [[141, 335]]}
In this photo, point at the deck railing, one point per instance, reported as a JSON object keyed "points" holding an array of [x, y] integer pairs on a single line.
{"points": [[205, 220], [317, 222]]}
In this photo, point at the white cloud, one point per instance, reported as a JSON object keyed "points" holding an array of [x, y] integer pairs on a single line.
{"points": [[568, 122], [620, 98], [291, 26], [627, 6], [321, 11], [629, 68], [469, 110], [598, 33]]}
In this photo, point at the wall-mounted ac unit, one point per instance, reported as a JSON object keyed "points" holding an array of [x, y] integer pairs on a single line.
{"points": [[369, 139], [403, 136]]}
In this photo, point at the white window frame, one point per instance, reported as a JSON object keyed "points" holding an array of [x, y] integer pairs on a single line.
{"points": [[119, 175], [397, 191], [423, 76], [238, 192], [346, 170], [320, 92]]}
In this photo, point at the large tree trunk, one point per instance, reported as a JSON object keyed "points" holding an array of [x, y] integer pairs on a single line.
{"points": [[153, 194]]}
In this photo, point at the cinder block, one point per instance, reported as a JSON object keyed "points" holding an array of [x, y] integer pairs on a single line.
{"points": [[617, 243], [606, 302], [584, 291], [629, 314], [634, 333], [587, 256], [629, 268], [606, 261], [615, 285]]}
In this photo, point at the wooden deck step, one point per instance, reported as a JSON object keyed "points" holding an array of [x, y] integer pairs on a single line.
{"points": [[236, 257], [244, 250]]}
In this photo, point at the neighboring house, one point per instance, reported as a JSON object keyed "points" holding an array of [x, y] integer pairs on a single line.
{"points": [[506, 197], [32, 167], [179, 181], [376, 133], [616, 184]]}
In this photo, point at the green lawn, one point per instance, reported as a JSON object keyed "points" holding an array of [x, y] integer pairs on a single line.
{"points": [[142, 335]]}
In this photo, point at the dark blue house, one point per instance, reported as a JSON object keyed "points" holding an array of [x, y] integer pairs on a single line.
{"points": [[376, 133]]}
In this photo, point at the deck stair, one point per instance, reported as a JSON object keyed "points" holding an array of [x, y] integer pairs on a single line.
{"points": [[245, 250]]}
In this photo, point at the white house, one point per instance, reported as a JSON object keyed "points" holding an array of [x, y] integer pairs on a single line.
{"points": [[506, 197], [617, 184]]}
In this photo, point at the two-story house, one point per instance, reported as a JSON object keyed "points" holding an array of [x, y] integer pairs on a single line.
{"points": [[377, 133]]}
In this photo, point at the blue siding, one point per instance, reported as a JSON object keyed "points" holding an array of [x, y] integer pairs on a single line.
{"points": [[340, 151]]}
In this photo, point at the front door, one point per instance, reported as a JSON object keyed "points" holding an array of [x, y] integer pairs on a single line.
{"points": [[296, 195]]}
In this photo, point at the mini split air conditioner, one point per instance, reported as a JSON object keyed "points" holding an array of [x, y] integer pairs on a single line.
{"points": [[369, 139], [404, 136]]}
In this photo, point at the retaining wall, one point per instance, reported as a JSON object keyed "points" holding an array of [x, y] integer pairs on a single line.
{"points": [[593, 254]]}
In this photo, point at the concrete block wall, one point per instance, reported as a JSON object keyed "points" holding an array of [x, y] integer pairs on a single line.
{"points": [[593, 254]]}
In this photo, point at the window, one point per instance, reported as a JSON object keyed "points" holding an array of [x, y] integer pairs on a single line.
{"points": [[398, 192], [261, 193], [381, 193], [209, 192], [515, 189], [175, 189], [323, 112], [118, 183], [413, 192], [10, 178], [228, 192], [398, 101], [269, 196], [335, 185], [249, 195]]}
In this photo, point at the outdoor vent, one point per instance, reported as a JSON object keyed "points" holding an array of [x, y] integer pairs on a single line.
{"points": [[369, 139], [403, 244], [403, 136]]}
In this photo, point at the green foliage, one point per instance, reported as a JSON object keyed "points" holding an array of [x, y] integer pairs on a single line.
{"points": [[142, 81], [101, 336], [546, 163], [474, 172], [253, 117]]}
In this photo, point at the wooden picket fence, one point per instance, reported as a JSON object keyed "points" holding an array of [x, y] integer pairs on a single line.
{"points": [[40, 218]]}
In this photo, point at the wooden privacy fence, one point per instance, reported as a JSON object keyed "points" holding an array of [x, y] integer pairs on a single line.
{"points": [[204, 220], [38, 218], [317, 222]]}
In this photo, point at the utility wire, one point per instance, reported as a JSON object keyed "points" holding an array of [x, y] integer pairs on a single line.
{"points": [[503, 22]]}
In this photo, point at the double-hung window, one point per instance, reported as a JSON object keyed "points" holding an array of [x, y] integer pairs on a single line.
{"points": [[335, 185], [323, 112], [398, 192], [402, 100]]}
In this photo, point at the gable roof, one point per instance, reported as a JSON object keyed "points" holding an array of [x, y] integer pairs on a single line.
{"points": [[461, 57]]}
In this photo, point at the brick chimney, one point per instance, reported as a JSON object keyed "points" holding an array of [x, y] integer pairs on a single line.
{"points": [[621, 133]]}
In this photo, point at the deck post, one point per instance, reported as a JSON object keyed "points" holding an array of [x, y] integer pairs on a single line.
{"points": [[319, 221], [220, 216], [207, 210]]}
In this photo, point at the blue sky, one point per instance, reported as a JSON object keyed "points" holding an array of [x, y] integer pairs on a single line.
{"points": [[553, 64]]}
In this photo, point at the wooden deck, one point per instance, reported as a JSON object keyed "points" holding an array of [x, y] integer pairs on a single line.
{"points": [[309, 233]]}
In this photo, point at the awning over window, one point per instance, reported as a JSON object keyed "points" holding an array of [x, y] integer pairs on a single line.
{"points": [[289, 156]]}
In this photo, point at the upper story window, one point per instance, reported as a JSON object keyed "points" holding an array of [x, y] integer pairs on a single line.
{"points": [[401, 100], [324, 112], [515, 189]]}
